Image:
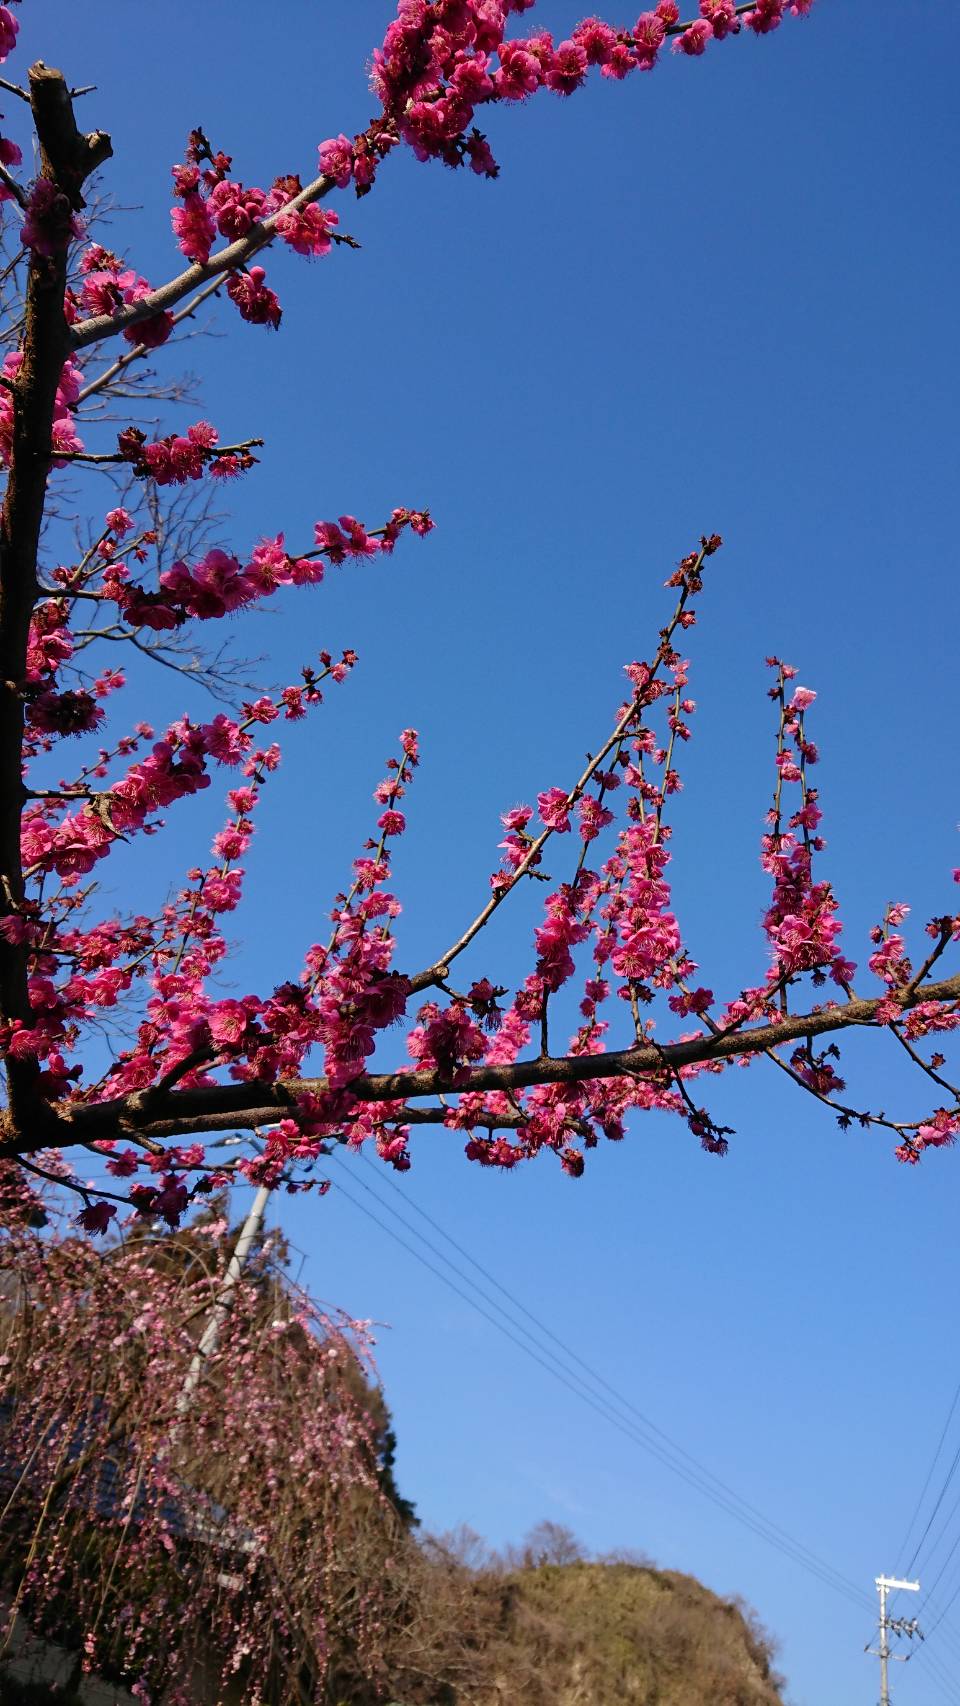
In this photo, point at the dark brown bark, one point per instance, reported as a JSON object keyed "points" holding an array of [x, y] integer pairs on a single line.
{"points": [[67, 158], [230, 1107]]}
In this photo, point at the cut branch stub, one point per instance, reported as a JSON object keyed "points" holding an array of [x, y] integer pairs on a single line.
{"points": [[67, 155]]}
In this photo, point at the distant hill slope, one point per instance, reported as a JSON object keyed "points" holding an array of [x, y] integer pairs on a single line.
{"points": [[593, 1634]]}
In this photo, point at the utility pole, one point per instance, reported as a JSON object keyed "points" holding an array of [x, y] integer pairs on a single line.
{"points": [[899, 1625], [210, 1337]]}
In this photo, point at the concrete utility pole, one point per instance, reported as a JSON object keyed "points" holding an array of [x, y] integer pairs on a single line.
{"points": [[210, 1337], [900, 1626]]}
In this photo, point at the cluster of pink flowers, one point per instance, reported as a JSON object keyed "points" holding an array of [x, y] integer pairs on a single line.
{"points": [[52, 712], [800, 922], [49, 222], [180, 457], [624, 909], [108, 285], [218, 583], [447, 1040], [256, 302], [939, 1132], [346, 995], [212, 203], [11, 154], [439, 62], [65, 439], [345, 162], [76, 973], [347, 992], [9, 29]]}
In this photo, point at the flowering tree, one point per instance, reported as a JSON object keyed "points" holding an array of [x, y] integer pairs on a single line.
{"points": [[239, 1542], [291, 1067]]}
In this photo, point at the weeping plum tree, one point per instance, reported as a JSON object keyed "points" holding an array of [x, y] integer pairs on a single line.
{"points": [[290, 1068], [239, 1544]]}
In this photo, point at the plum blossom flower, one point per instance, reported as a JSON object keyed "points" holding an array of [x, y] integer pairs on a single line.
{"points": [[194, 228], [49, 220], [256, 302], [96, 1217], [9, 27], [802, 698], [392, 823], [554, 808], [721, 15], [596, 38], [307, 230], [694, 40], [766, 16], [568, 68], [336, 160]]}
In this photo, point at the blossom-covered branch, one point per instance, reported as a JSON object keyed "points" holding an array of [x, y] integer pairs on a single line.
{"points": [[437, 65], [308, 1063]]}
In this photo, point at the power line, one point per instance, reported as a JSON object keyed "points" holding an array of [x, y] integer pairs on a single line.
{"points": [[956, 1591], [624, 1403], [939, 1501], [939, 1672], [928, 1602], [599, 1379], [928, 1595], [947, 1637], [933, 1464], [943, 1567], [696, 1476], [940, 1675]]}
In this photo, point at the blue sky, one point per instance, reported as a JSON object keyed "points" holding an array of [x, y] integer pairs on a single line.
{"points": [[720, 297]]}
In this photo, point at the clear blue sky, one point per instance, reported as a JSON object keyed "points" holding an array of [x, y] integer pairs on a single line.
{"points": [[721, 297]]}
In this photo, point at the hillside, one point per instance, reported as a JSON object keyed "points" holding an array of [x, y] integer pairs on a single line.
{"points": [[585, 1634], [552, 1628]]}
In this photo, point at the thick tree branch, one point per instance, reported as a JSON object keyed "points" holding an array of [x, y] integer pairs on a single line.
{"points": [[247, 1106]]}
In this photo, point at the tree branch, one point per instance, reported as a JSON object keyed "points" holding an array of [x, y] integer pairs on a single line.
{"points": [[222, 1107], [234, 256], [122, 362], [435, 973], [67, 157], [16, 190]]}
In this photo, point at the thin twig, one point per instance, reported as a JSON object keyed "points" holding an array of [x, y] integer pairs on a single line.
{"points": [[16, 190], [15, 89], [212, 455], [110, 373]]}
